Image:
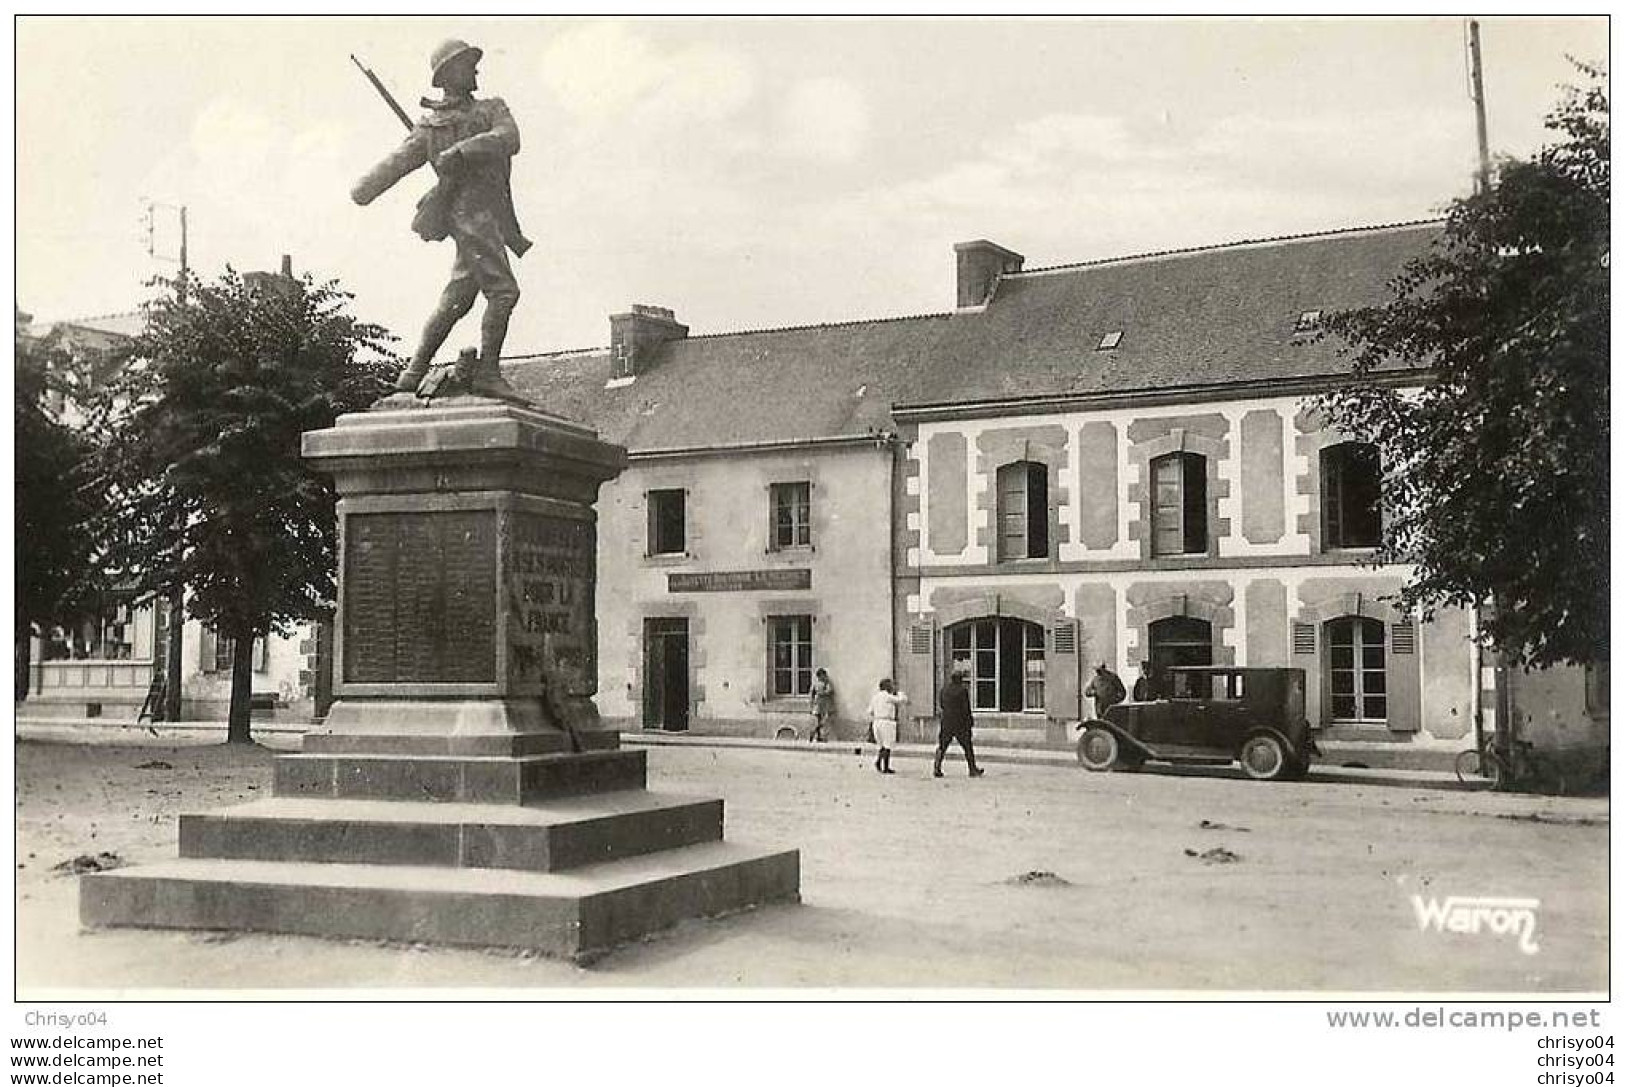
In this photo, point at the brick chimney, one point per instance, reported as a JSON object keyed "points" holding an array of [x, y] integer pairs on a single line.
{"points": [[634, 337], [269, 282], [980, 264]]}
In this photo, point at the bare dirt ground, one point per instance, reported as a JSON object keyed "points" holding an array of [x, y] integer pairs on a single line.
{"points": [[909, 881]]}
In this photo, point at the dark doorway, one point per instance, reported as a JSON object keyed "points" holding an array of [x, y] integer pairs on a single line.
{"points": [[665, 672], [1180, 641]]}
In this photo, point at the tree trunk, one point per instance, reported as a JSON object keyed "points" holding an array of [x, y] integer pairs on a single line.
{"points": [[238, 727], [23, 661], [172, 654]]}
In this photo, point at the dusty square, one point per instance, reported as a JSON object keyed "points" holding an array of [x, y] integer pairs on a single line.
{"points": [[1156, 881]]}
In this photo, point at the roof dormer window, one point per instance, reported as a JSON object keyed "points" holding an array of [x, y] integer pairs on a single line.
{"points": [[1110, 340]]}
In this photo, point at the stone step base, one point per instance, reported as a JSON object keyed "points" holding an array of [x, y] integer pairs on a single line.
{"points": [[576, 915], [1386, 755], [490, 744], [457, 779], [565, 834], [1006, 737]]}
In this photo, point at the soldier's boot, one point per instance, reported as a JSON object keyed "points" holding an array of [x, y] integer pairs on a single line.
{"points": [[487, 377], [455, 301], [411, 377], [488, 380]]}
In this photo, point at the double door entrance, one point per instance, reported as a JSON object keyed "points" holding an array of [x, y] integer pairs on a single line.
{"points": [[665, 674]]}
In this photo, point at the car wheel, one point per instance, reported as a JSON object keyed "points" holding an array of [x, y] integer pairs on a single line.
{"points": [[1264, 758], [1098, 749]]}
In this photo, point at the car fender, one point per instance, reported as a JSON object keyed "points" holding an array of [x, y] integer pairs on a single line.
{"points": [[1129, 742]]}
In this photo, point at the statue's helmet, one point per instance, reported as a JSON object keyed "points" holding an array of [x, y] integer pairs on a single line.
{"points": [[448, 51]]}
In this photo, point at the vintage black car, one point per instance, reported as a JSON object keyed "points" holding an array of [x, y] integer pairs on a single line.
{"points": [[1212, 716]]}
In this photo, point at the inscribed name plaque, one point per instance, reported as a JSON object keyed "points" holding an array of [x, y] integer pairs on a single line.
{"points": [[551, 626], [737, 581], [420, 597]]}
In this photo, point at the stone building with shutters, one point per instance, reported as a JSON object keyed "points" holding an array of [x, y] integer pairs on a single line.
{"points": [[746, 544], [1106, 462], [1128, 466], [100, 662]]}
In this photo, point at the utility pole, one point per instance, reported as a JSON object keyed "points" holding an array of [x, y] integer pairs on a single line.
{"points": [[1475, 649], [175, 641], [1476, 74]]}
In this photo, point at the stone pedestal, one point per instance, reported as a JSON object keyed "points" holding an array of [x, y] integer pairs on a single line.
{"points": [[468, 544], [462, 789]]}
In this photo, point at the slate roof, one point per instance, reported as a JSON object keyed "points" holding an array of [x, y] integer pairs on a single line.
{"points": [[101, 330], [1199, 317]]}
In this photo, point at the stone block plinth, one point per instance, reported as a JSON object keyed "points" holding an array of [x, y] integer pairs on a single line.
{"points": [[468, 544], [462, 789]]}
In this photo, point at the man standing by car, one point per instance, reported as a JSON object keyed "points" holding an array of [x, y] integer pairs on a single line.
{"points": [[1106, 689], [1146, 687], [956, 722]]}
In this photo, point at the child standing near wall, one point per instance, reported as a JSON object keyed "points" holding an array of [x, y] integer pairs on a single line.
{"points": [[883, 720]]}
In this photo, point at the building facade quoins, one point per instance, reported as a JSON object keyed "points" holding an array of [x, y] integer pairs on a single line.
{"points": [[995, 448], [1208, 435]]}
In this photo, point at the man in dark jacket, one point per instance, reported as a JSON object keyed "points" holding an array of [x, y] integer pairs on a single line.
{"points": [[1147, 688], [1106, 689], [956, 723]]}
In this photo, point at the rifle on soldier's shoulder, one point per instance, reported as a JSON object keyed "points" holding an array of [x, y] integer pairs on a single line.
{"points": [[383, 92]]}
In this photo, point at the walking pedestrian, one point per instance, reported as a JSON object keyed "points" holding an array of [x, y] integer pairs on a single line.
{"points": [[823, 705], [955, 725], [883, 720], [1106, 689]]}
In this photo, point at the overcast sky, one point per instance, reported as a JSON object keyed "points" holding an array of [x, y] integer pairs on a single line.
{"points": [[748, 173]]}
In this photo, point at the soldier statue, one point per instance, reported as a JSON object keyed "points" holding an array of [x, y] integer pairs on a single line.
{"points": [[468, 142]]}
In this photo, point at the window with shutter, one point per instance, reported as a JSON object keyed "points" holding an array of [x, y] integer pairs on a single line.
{"points": [[1357, 667], [790, 655], [1404, 636], [224, 648], [1004, 658], [668, 522], [1179, 504], [919, 638], [1303, 638], [1066, 638], [791, 512], [1023, 511], [1350, 495]]}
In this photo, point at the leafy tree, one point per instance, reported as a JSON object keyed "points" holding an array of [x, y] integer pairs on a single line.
{"points": [[200, 466], [53, 560], [1496, 481]]}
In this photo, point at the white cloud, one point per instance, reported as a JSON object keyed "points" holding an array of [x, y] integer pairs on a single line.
{"points": [[705, 82], [602, 71], [824, 119], [230, 137], [599, 69], [1381, 150], [1087, 186]]}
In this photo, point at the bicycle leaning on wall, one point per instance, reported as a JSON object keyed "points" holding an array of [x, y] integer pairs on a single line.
{"points": [[1513, 766]]}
